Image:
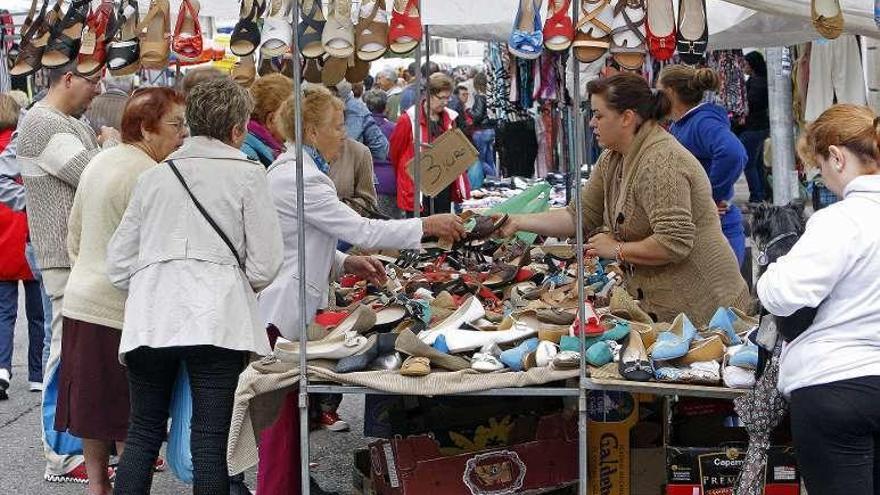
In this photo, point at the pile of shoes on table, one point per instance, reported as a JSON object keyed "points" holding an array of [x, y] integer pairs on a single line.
{"points": [[495, 306]]}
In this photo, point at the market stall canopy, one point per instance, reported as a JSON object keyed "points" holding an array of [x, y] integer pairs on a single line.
{"points": [[733, 24]]}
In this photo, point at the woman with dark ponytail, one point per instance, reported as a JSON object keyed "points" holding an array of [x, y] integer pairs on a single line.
{"points": [[704, 129], [651, 203]]}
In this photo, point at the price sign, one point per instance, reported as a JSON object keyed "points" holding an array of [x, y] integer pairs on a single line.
{"points": [[447, 158]]}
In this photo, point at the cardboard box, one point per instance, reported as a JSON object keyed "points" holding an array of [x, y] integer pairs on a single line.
{"points": [[611, 415], [647, 471], [415, 465], [713, 471], [444, 160]]}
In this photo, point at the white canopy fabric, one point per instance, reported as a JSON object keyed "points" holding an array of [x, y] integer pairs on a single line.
{"points": [[732, 23]]}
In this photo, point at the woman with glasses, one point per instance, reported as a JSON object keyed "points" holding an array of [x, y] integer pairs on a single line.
{"points": [[435, 119], [93, 399]]}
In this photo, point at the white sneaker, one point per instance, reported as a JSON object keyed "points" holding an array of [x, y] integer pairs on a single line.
{"points": [[35, 386], [4, 383]]}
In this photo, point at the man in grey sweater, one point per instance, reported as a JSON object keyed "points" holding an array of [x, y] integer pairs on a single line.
{"points": [[53, 147]]}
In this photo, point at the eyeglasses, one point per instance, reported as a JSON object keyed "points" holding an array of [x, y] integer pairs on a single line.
{"points": [[443, 97], [93, 82], [179, 125]]}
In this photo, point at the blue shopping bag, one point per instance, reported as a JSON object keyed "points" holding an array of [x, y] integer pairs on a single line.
{"points": [[62, 443], [180, 410]]}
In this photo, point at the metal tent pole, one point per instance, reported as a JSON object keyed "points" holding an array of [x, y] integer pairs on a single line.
{"points": [[301, 269], [785, 186], [417, 132], [578, 160]]}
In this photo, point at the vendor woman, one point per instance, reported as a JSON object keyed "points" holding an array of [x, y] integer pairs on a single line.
{"points": [[651, 201]]}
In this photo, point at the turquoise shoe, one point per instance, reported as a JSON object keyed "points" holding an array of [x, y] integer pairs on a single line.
{"points": [[599, 354], [674, 343], [569, 343], [722, 325], [515, 358]]}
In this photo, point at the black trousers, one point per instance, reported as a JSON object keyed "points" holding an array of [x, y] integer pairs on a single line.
{"points": [[836, 430], [213, 376]]}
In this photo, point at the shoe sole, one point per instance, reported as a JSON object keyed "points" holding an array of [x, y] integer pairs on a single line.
{"points": [[336, 428], [51, 478]]}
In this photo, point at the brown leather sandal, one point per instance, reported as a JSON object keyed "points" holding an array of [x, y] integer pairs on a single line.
{"points": [[371, 35], [155, 31]]}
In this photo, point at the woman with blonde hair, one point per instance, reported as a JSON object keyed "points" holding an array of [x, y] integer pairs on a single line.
{"points": [[264, 141], [704, 129], [831, 371]]}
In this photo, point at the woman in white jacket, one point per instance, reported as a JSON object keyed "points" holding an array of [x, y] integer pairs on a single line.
{"points": [[191, 294], [831, 372]]}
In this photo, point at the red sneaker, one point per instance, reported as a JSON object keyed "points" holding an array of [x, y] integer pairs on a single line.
{"points": [[75, 475], [329, 420]]}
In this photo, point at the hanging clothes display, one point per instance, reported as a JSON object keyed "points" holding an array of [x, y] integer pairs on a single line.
{"points": [[836, 75], [517, 147], [730, 67]]}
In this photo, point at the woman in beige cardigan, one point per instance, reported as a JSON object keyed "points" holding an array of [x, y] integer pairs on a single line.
{"points": [[652, 203]]}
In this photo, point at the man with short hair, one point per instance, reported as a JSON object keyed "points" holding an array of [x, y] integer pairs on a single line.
{"points": [[53, 147], [386, 80], [359, 123], [408, 96]]}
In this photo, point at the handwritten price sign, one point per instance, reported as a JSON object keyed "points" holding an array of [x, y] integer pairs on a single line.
{"points": [[449, 156]]}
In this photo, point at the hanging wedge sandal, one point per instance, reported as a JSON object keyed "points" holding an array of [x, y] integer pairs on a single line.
{"points": [[310, 30], [187, 42], [124, 53], [156, 31], [277, 31], [338, 36], [628, 42], [357, 71], [693, 31], [100, 28], [245, 71], [45, 28], [526, 39], [558, 28], [371, 32], [63, 44], [405, 31], [827, 17], [661, 29], [246, 34], [30, 55], [593, 36]]}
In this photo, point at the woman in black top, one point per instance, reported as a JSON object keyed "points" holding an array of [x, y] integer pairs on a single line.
{"points": [[756, 129]]}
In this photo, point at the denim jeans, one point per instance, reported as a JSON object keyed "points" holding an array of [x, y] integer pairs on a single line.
{"points": [[484, 140], [753, 141], [33, 302], [152, 372]]}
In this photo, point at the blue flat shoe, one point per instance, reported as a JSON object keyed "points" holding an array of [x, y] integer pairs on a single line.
{"points": [[746, 357], [599, 354], [676, 342], [721, 324], [515, 358]]}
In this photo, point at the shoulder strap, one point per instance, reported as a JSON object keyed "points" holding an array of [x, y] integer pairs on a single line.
{"points": [[205, 214]]}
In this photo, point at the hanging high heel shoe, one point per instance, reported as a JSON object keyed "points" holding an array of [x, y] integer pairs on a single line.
{"points": [[63, 44], [188, 43], [246, 34], [124, 53], [100, 28], [30, 55], [155, 31]]}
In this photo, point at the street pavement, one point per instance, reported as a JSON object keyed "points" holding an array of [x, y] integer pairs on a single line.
{"points": [[21, 453]]}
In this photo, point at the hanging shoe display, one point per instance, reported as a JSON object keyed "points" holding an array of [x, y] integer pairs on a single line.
{"points": [[124, 52], [405, 31], [155, 31], [661, 29], [628, 41], [693, 31], [187, 42], [371, 32], [593, 37], [558, 28], [101, 26], [526, 40]]}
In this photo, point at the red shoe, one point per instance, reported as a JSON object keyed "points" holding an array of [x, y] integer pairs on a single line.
{"points": [[405, 31], [187, 41], [558, 28], [75, 475], [329, 420], [661, 29], [95, 37]]}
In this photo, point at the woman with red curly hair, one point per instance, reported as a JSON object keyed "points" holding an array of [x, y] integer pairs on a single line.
{"points": [[93, 399]]}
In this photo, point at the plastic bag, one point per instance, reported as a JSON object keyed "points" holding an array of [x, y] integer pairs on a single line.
{"points": [[178, 452], [62, 443]]}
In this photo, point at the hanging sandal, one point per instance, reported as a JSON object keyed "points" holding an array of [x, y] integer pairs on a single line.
{"points": [[661, 29], [334, 70], [30, 55], [558, 29], [246, 34], [371, 32], [693, 31], [357, 71], [124, 53], [593, 37], [628, 42], [526, 40], [245, 71], [310, 29], [188, 43], [277, 31], [405, 31], [45, 28], [155, 48], [338, 36], [312, 72], [63, 45], [99, 30]]}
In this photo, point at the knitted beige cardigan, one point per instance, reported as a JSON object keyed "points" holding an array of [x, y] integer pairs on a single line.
{"points": [[660, 190]]}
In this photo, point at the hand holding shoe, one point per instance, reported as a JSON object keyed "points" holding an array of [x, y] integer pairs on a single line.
{"points": [[367, 268], [508, 228], [444, 226]]}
